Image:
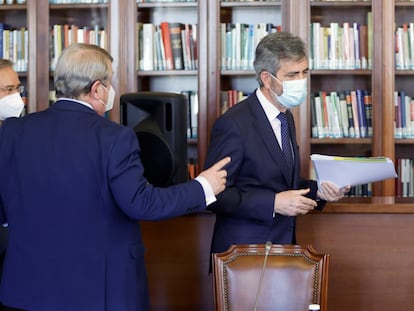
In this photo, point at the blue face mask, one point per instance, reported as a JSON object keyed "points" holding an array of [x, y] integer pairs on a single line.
{"points": [[294, 92]]}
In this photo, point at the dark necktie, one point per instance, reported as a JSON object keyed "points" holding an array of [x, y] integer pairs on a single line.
{"points": [[287, 149]]}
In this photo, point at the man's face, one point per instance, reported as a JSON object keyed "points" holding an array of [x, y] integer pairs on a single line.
{"points": [[292, 70], [9, 82], [289, 70]]}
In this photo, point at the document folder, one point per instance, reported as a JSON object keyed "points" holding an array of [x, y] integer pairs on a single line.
{"points": [[352, 171]]}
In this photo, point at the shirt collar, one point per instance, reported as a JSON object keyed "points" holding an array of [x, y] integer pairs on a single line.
{"points": [[270, 110]]}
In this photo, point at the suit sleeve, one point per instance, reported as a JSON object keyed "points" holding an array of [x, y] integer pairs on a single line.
{"points": [[239, 201], [313, 186], [139, 199]]}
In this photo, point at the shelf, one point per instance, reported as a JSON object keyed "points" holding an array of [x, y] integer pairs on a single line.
{"points": [[255, 4], [341, 141], [82, 6], [343, 4], [354, 72], [237, 72], [164, 73], [9, 7], [166, 5], [371, 205]]}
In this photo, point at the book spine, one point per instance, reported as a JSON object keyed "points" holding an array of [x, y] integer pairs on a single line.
{"points": [[397, 120], [176, 45], [355, 114], [363, 128], [368, 112], [166, 39], [319, 116], [350, 114], [344, 114], [314, 122], [147, 47]]}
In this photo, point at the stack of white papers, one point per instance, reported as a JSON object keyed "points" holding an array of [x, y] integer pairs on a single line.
{"points": [[352, 171]]}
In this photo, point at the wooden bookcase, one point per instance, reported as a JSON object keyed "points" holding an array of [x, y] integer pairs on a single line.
{"points": [[38, 17], [380, 80], [192, 13], [219, 78]]}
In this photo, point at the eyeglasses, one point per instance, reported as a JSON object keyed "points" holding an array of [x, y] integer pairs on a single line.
{"points": [[11, 89]]}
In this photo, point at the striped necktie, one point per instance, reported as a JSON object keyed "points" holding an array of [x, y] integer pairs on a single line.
{"points": [[286, 147]]}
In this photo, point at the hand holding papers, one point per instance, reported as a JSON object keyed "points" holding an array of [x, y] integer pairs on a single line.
{"points": [[352, 171]]}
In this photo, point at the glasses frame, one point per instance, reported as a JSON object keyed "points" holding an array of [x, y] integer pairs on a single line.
{"points": [[11, 89]]}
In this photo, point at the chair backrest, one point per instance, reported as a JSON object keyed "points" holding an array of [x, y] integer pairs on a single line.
{"points": [[289, 278]]}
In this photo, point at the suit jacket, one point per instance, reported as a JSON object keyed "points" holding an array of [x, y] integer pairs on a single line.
{"points": [[72, 190], [257, 171]]}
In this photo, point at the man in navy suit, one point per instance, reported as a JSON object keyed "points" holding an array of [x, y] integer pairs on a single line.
{"points": [[11, 105], [72, 190], [264, 191]]}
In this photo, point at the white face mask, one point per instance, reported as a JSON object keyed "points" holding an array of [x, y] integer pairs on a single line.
{"points": [[294, 92], [11, 106], [111, 98]]}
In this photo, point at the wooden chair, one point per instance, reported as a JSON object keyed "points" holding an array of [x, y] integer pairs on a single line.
{"points": [[289, 278]]}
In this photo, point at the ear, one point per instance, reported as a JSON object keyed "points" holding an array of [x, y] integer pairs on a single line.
{"points": [[95, 90], [266, 79]]}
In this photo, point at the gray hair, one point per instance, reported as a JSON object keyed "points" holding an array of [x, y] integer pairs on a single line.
{"points": [[5, 63], [78, 67], [276, 47]]}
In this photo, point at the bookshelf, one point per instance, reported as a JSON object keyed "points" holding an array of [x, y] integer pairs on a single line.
{"points": [[403, 140], [154, 75], [226, 75], [38, 77], [373, 78]]}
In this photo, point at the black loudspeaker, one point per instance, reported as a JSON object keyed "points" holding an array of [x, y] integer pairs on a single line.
{"points": [[160, 122]]}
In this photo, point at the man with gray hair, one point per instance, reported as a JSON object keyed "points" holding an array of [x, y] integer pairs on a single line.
{"points": [[72, 189], [264, 192]]}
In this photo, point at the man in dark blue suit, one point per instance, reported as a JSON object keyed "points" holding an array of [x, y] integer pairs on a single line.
{"points": [[72, 190], [11, 105], [264, 191]]}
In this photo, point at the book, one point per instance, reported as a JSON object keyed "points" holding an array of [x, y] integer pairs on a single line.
{"points": [[177, 45], [333, 46], [355, 114], [166, 39], [397, 116], [325, 116], [351, 124], [368, 112], [159, 56], [193, 46], [3, 27], [335, 116], [319, 116], [356, 40], [344, 113], [314, 122], [370, 36], [146, 46], [363, 46], [352, 171], [362, 117]]}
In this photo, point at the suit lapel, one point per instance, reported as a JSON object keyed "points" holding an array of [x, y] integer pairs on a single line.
{"points": [[265, 133]]}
